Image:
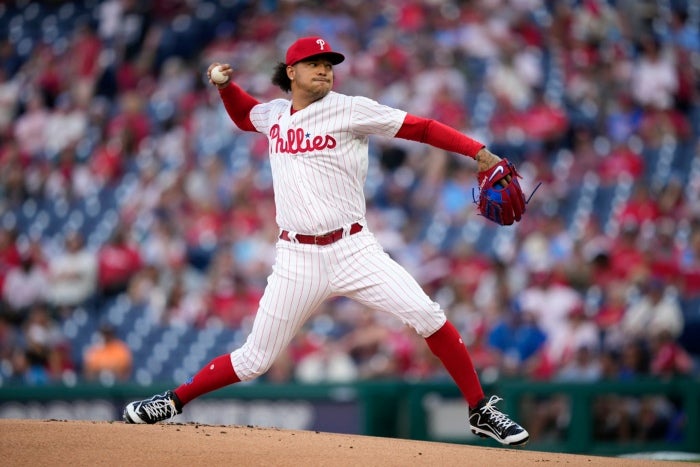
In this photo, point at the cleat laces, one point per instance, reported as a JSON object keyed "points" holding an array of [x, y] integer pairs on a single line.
{"points": [[159, 409], [498, 418]]}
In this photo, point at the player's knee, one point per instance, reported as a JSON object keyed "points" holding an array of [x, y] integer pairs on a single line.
{"points": [[258, 370], [428, 328], [252, 365]]}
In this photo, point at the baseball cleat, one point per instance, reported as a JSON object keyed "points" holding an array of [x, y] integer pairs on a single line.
{"points": [[486, 420], [156, 409]]}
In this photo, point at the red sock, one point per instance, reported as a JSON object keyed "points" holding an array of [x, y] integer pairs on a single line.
{"points": [[216, 374], [448, 346]]}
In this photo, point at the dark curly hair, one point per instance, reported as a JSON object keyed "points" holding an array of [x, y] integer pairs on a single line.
{"points": [[280, 78]]}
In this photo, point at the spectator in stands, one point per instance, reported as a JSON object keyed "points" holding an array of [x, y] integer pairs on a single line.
{"points": [[641, 208], [550, 300], [107, 161], [29, 127], [84, 52], [46, 347], [10, 342], [369, 346], [650, 418], [586, 156], [108, 360], [150, 194], [65, 126], [657, 309], [659, 127], [515, 74], [654, 78], [332, 364], [576, 333], [627, 259], [282, 371], [147, 289], [9, 97], [164, 247], [663, 252], [203, 228], [583, 367], [611, 418], [672, 201], [498, 286], [9, 253], [634, 359], [30, 364], [63, 173], [40, 357], [668, 358], [681, 32], [623, 118], [690, 265], [130, 124], [622, 160], [14, 178], [610, 364], [518, 339], [557, 238], [545, 121], [610, 312], [232, 299], [184, 307], [72, 274], [117, 261], [25, 286]]}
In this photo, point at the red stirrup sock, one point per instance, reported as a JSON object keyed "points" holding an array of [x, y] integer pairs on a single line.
{"points": [[448, 346], [216, 374]]}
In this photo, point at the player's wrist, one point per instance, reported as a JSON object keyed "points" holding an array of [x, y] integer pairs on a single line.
{"points": [[485, 159]]}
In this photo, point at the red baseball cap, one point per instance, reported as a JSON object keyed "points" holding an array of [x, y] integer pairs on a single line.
{"points": [[308, 47]]}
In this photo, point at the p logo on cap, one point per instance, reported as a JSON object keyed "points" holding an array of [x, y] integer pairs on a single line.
{"points": [[308, 47]]}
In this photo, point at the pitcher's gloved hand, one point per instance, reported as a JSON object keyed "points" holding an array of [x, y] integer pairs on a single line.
{"points": [[501, 199]]}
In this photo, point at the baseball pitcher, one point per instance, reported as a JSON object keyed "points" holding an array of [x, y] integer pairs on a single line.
{"points": [[318, 148]]}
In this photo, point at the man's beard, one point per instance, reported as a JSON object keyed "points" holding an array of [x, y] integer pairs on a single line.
{"points": [[318, 94]]}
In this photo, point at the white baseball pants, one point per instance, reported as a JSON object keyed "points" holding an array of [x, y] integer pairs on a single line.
{"points": [[303, 276]]}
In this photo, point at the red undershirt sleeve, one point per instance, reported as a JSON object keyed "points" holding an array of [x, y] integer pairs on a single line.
{"points": [[438, 134], [238, 104]]}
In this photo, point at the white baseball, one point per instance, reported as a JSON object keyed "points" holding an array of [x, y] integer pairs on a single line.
{"points": [[218, 76]]}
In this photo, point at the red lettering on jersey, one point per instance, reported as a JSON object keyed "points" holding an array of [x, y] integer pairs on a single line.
{"points": [[296, 141]]}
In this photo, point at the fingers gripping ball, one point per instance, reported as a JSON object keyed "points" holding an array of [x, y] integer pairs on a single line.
{"points": [[501, 199], [218, 76]]}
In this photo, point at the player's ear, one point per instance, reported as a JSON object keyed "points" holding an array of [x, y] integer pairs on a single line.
{"points": [[290, 72]]}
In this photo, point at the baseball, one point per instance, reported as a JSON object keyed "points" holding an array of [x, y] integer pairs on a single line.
{"points": [[218, 76]]}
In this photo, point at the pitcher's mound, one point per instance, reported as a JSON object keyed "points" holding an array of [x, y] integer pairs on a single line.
{"points": [[84, 443]]}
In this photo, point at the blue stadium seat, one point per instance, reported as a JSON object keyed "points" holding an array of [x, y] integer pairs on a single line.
{"points": [[691, 307], [682, 163], [603, 203], [690, 339]]}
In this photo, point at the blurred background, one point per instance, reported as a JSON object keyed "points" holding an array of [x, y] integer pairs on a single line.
{"points": [[137, 222]]}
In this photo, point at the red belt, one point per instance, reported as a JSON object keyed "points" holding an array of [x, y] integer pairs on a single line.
{"points": [[324, 239]]}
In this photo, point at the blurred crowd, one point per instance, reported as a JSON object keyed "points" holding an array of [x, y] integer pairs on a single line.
{"points": [[581, 94]]}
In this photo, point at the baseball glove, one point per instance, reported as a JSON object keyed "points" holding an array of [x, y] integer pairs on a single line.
{"points": [[501, 199]]}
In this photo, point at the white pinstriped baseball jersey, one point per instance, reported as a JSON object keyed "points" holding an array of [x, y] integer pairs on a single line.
{"points": [[319, 158]]}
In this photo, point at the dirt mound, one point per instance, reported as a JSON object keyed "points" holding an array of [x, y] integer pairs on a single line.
{"points": [[84, 443]]}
